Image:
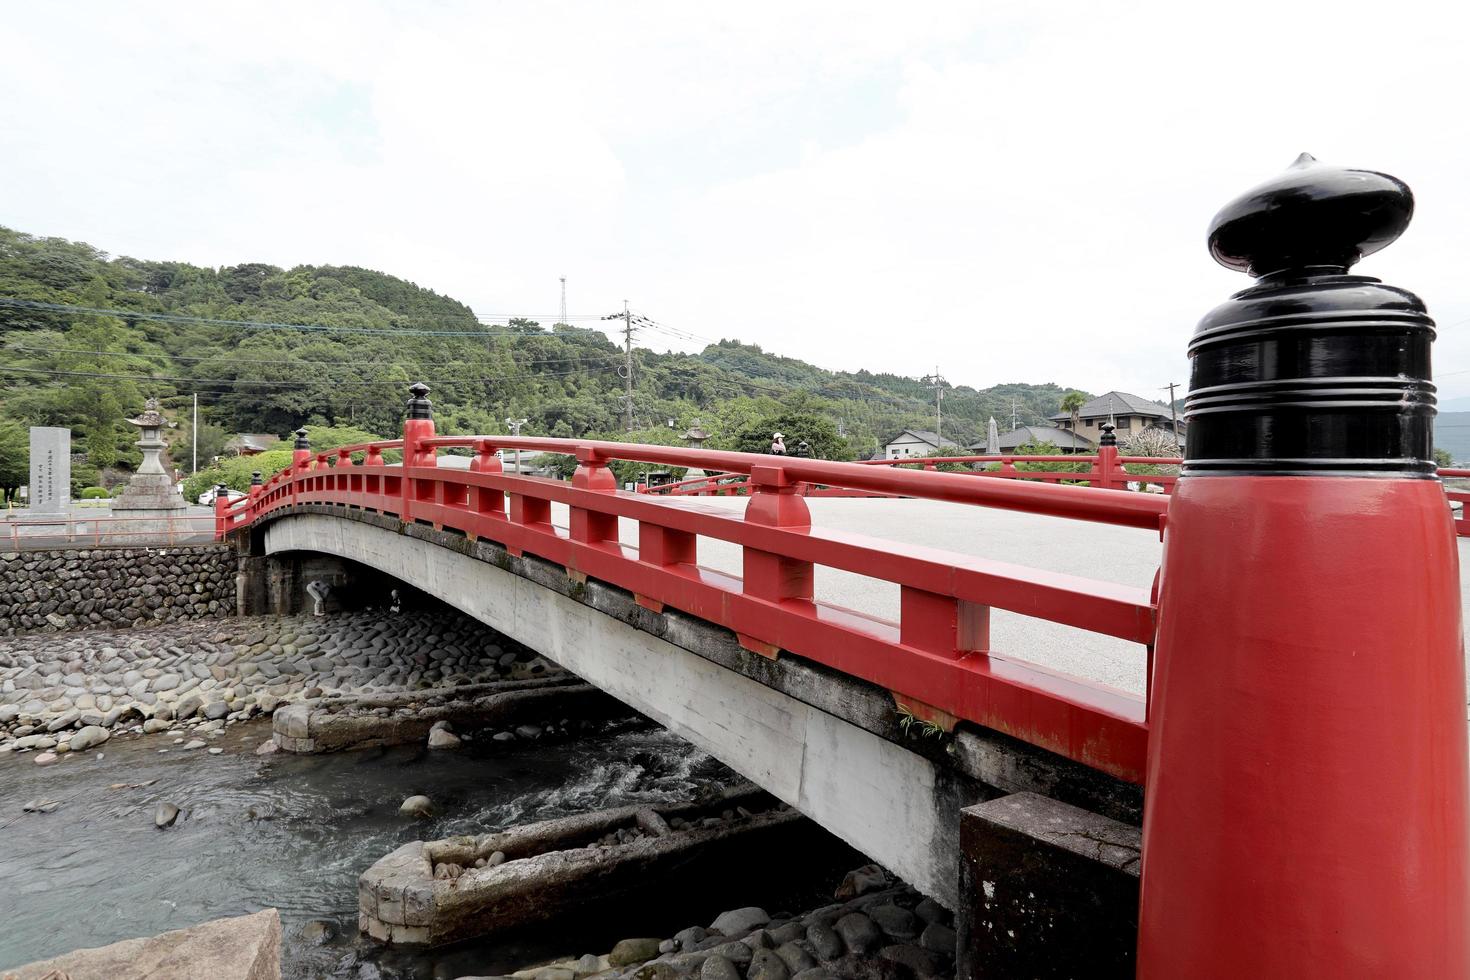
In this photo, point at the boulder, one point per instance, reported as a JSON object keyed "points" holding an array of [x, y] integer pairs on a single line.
{"points": [[630, 951], [88, 737], [737, 921], [417, 806], [247, 947]]}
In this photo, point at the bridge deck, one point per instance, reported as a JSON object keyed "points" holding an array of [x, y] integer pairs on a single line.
{"points": [[1111, 554]]}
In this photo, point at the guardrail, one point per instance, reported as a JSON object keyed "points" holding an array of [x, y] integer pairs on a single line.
{"points": [[78, 530], [936, 659]]}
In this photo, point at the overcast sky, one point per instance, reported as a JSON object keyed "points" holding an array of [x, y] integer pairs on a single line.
{"points": [[1011, 191]]}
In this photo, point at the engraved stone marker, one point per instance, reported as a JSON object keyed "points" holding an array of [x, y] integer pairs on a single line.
{"points": [[50, 489]]}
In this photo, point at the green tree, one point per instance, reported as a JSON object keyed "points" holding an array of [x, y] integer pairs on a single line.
{"points": [[1443, 459], [815, 430], [1072, 403], [15, 456]]}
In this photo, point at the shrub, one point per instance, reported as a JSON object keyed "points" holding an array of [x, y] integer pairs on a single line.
{"points": [[95, 493]]}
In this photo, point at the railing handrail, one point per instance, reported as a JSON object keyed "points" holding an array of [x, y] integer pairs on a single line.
{"points": [[1072, 502]]}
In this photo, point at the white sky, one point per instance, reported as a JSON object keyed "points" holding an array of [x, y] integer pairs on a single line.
{"points": [[1014, 191]]}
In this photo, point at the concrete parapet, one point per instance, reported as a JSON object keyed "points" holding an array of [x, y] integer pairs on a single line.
{"points": [[1047, 890], [246, 947]]}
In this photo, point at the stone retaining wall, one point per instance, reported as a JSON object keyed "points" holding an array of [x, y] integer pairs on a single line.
{"points": [[51, 591], [208, 674]]}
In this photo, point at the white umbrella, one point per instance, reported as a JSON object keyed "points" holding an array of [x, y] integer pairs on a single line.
{"points": [[992, 439]]}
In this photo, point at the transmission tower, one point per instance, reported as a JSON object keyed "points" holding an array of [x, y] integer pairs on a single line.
{"points": [[563, 299]]}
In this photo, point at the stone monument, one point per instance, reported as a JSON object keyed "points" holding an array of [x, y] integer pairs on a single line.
{"points": [[50, 488], [150, 493]]}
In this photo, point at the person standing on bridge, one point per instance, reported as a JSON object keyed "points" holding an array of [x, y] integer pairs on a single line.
{"points": [[778, 444]]}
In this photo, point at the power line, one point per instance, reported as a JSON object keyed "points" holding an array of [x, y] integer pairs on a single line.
{"points": [[183, 318], [242, 382], [277, 360]]}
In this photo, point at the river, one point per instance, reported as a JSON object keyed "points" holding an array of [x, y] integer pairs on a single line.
{"points": [[294, 833]]}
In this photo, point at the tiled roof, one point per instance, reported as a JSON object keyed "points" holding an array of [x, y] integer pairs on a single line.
{"points": [[1116, 403]]}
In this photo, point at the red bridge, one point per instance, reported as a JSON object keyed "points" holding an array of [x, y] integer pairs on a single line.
{"points": [[1302, 735]]}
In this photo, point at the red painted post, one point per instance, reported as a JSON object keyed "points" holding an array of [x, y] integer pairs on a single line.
{"points": [[485, 500], [418, 424], [1307, 811], [1106, 471], [592, 473], [300, 461], [775, 578], [221, 504]]}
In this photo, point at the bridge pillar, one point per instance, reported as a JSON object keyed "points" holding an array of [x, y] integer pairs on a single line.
{"points": [[418, 425], [1306, 812]]}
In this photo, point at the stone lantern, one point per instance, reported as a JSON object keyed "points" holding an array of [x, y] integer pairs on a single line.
{"points": [[151, 490], [696, 437]]}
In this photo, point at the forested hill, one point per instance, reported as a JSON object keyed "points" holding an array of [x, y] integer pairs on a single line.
{"points": [[85, 337]]}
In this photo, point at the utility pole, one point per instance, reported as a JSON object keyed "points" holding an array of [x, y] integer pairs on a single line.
{"points": [[196, 433], [627, 366], [937, 383], [627, 369], [563, 299], [1173, 413], [514, 425], [1015, 418]]}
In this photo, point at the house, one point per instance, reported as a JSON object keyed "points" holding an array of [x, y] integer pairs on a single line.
{"points": [[1035, 435], [1131, 414], [913, 443], [250, 443]]}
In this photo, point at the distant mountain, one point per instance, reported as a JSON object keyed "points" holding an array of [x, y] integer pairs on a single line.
{"points": [[101, 333], [1452, 434]]}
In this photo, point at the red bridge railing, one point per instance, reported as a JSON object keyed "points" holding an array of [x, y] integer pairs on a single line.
{"points": [[936, 658], [1107, 469]]}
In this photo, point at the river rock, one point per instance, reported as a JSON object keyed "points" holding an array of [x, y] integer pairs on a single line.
{"points": [[155, 725], [196, 743], [165, 815], [443, 738], [319, 932], [188, 706], [824, 942], [870, 877], [898, 922], [766, 965], [216, 710], [268, 747], [718, 968], [688, 938], [417, 806], [795, 958], [816, 973], [737, 921], [931, 911], [630, 951], [46, 758], [858, 932], [65, 720], [736, 952], [88, 737]]}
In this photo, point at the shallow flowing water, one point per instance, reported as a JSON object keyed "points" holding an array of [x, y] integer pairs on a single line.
{"points": [[294, 833]]}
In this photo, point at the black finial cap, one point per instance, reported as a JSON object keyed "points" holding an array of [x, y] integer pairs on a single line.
{"points": [[1313, 216], [256, 480], [1107, 438], [419, 406], [301, 441], [1311, 371]]}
